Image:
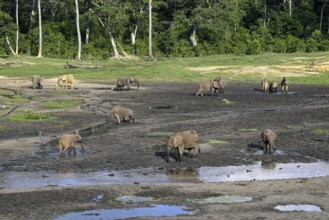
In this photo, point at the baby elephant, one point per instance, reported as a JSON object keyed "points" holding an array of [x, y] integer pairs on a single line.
{"points": [[221, 83], [208, 86], [273, 87], [180, 141], [284, 85], [36, 81], [66, 80], [268, 136], [265, 85], [126, 81], [67, 143], [120, 113]]}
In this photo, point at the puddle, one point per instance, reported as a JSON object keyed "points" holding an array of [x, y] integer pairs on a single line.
{"points": [[152, 211], [299, 207], [258, 171], [224, 199], [282, 93]]}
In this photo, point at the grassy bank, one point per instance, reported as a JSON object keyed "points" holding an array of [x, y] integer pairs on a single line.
{"points": [[231, 67]]}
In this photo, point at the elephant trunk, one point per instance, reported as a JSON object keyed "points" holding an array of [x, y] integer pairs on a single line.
{"points": [[137, 83]]}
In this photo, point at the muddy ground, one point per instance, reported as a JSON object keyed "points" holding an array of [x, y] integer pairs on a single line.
{"points": [[229, 133]]}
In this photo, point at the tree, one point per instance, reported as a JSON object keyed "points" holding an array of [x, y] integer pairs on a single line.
{"points": [[150, 31], [17, 29], [78, 28], [40, 30]]}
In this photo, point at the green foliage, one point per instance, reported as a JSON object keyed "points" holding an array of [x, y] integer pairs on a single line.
{"points": [[66, 103], [22, 116]]}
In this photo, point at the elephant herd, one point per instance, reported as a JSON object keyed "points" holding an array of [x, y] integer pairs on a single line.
{"points": [[272, 87], [180, 141]]}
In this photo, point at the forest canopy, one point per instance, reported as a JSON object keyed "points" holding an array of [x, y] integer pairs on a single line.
{"points": [[180, 28]]}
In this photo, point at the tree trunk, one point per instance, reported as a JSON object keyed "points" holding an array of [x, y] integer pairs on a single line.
{"points": [[88, 27], [8, 42], [133, 40], [193, 39], [40, 30], [32, 15], [108, 31], [114, 46], [150, 31], [78, 28], [322, 13], [17, 31]]}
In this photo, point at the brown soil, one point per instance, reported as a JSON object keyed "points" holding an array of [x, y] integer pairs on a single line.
{"points": [[162, 108]]}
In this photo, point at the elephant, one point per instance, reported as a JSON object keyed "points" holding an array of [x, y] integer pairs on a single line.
{"points": [[273, 87], [67, 142], [268, 136], [65, 80], [180, 141], [126, 81], [265, 85], [284, 85], [221, 83], [208, 86], [120, 113], [36, 81]]}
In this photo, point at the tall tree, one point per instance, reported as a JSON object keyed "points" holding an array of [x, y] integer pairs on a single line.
{"points": [[40, 30], [17, 30], [78, 28], [150, 31]]}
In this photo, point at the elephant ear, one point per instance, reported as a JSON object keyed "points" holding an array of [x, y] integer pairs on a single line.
{"points": [[216, 85]]}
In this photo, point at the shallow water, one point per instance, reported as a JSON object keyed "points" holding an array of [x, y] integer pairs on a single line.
{"points": [[24, 180], [152, 211], [299, 207]]}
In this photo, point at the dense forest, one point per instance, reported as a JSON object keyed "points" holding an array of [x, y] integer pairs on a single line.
{"points": [[103, 29]]}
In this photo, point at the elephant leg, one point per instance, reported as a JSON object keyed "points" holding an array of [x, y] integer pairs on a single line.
{"points": [[74, 151], [117, 119]]}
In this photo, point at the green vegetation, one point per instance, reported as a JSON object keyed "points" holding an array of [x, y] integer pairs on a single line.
{"points": [[181, 28], [320, 131], [65, 103], [159, 134], [22, 116], [13, 100], [63, 123], [250, 68], [213, 141], [248, 129], [2, 128]]}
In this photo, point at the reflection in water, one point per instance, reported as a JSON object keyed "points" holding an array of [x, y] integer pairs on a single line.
{"points": [[152, 211], [15, 180], [299, 207]]}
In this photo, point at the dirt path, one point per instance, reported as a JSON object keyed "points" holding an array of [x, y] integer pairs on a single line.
{"points": [[230, 135]]}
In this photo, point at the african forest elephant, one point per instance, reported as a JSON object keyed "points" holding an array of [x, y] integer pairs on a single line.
{"points": [[268, 136], [265, 85], [67, 142], [126, 81], [284, 85], [220, 81], [273, 87], [66, 80], [180, 141], [208, 86], [120, 113], [36, 81]]}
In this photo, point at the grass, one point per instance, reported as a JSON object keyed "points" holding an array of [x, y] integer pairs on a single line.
{"points": [[248, 129], [320, 131], [65, 103], [213, 141], [21, 116], [14, 100], [3, 128], [172, 69], [159, 134]]}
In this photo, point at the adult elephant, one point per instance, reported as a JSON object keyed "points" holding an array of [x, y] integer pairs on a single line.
{"points": [[126, 81]]}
